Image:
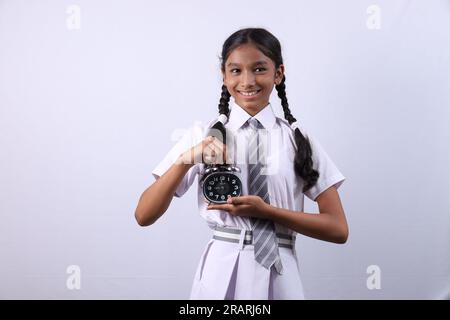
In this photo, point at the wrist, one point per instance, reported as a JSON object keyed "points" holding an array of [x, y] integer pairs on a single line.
{"points": [[267, 211], [184, 160]]}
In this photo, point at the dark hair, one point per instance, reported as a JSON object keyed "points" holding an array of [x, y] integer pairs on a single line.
{"points": [[269, 45]]}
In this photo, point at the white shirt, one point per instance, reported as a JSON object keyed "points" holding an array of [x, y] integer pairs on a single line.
{"points": [[224, 265], [284, 186]]}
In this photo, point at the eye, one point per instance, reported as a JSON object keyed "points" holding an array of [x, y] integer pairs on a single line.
{"points": [[233, 70], [262, 69]]}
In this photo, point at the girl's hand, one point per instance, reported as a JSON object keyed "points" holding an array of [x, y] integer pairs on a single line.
{"points": [[209, 151], [214, 152], [244, 206]]}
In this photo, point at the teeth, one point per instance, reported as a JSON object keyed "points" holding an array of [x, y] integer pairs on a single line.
{"points": [[249, 93]]}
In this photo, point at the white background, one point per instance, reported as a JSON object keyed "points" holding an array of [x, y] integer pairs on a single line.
{"points": [[86, 114]]}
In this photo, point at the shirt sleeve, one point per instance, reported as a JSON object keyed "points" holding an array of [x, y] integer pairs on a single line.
{"points": [[192, 137], [329, 174]]}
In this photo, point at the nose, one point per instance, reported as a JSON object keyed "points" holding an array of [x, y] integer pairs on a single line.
{"points": [[247, 79]]}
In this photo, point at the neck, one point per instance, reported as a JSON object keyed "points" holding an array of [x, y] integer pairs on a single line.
{"points": [[253, 110]]}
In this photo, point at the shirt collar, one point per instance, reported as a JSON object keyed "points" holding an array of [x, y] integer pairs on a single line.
{"points": [[238, 117]]}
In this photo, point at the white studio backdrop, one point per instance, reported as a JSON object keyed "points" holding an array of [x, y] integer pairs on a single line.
{"points": [[94, 93]]}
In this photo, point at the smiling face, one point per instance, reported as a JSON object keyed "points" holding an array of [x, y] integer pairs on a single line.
{"points": [[249, 76]]}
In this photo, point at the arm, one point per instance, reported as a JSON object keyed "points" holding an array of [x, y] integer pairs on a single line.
{"points": [[330, 225], [155, 200]]}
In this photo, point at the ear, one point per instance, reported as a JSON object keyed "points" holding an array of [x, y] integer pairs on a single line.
{"points": [[224, 79], [279, 74], [223, 75]]}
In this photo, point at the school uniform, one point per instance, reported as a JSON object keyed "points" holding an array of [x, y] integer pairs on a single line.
{"points": [[228, 270]]}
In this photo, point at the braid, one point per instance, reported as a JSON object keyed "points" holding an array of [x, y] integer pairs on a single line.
{"points": [[281, 88], [224, 100], [303, 163], [218, 129]]}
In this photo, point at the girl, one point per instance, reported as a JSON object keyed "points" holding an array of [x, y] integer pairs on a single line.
{"points": [[231, 266]]}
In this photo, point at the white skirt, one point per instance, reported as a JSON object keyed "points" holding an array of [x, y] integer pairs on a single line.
{"points": [[228, 271]]}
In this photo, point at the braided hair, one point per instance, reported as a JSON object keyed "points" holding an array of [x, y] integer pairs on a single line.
{"points": [[269, 45]]}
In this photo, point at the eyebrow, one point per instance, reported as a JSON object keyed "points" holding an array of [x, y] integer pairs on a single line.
{"points": [[232, 64]]}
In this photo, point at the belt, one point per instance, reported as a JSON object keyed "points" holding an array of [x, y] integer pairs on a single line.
{"points": [[234, 235]]}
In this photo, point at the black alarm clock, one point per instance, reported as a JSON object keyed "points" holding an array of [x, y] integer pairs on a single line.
{"points": [[220, 182]]}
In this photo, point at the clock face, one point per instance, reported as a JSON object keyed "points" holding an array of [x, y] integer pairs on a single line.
{"points": [[219, 185]]}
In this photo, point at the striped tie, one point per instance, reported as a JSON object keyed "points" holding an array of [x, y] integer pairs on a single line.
{"points": [[264, 236]]}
